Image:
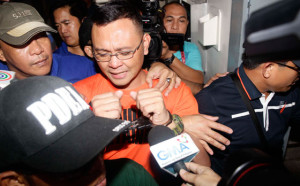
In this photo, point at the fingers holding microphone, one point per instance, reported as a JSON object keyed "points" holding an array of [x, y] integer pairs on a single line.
{"points": [[199, 175]]}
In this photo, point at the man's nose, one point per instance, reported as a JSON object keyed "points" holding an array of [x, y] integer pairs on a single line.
{"points": [[175, 25], [36, 47], [115, 62], [64, 29]]}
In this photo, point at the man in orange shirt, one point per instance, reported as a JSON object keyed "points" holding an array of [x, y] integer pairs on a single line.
{"points": [[119, 45]]}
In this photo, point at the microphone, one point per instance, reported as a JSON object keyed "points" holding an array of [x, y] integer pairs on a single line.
{"points": [[274, 36], [5, 78], [170, 151]]}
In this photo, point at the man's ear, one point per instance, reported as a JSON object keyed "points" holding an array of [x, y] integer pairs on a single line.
{"points": [[2, 57], [147, 40], [11, 178], [88, 50], [267, 69]]}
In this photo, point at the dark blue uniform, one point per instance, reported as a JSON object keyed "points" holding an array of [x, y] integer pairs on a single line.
{"points": [[68, 67], [222, 99]]}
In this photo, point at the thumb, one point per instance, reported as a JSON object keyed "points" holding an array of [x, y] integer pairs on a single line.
{"points": [[212, 118], [133, 94], [119, 93], [182, 172]]}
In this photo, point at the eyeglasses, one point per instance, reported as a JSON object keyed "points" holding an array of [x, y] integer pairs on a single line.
{"points": [[123, 55], [293, 68]]}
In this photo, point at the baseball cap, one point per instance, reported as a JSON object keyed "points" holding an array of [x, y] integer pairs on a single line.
{"points": [[47, 126], [19, 22], [272, 33]]}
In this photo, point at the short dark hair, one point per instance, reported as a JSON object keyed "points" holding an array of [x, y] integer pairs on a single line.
{"points": [[116, 10], [78, 8], [252, 63], [175, 3], [248, 63]]}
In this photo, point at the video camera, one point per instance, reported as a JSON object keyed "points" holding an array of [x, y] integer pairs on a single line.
{"points": [[152, 16], [152, 24]]}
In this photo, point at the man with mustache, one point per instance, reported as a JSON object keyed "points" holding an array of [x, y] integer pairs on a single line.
{"points": [[120, 91], [26, 49]]}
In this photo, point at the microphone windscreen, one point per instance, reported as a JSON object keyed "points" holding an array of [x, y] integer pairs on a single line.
{"points": [[159, 133]]}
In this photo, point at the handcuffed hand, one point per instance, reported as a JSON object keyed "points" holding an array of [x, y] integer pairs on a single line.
{"points": [[151, 103], [108, 105]]}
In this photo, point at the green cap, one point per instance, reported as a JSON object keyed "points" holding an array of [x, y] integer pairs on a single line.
{"points": [[19, 22]]}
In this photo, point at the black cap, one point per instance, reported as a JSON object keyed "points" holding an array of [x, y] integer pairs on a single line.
{"points": [[46, 125], [272, 33]]}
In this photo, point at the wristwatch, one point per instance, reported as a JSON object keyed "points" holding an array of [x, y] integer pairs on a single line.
{"points": [[179, 127], [169, 61]]}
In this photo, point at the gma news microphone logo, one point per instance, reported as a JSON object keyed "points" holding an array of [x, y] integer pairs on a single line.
{"points": [[174, 149]]}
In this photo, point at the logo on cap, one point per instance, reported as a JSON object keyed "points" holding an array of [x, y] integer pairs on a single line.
{"points": [[22, 14], [63, 103], [121, 126]]}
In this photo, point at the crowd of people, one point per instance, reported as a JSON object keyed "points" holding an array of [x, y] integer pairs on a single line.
{"points": [[67, 117]]}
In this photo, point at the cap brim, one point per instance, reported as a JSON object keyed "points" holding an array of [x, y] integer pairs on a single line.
{"points": [[297, 63], [23, 33], [79, 146]]}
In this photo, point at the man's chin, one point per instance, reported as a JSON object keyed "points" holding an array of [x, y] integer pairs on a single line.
{"points": [[285, 89], [44, 72], [120, 85]]}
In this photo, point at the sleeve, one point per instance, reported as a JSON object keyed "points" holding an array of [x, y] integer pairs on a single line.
{"points": [[183, 100], [193, 59], [206, 102]]}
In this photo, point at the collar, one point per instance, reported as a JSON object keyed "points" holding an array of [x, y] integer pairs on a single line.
{"points": [[64, 48], [250, 89]]}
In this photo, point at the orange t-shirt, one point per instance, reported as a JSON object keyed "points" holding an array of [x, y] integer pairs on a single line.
{"points": [[179, 101]]}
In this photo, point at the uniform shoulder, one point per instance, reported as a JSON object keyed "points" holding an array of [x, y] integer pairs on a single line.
{"points": [[220, 84]]}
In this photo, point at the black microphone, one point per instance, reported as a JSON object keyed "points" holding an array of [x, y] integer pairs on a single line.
{"points": [[272, 33], [159, 134]]}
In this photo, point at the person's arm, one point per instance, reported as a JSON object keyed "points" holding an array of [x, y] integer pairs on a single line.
{"points": [[204, 127], [182, 102], [207, 105], [160, 71], [193, 78], [199, 175]]}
